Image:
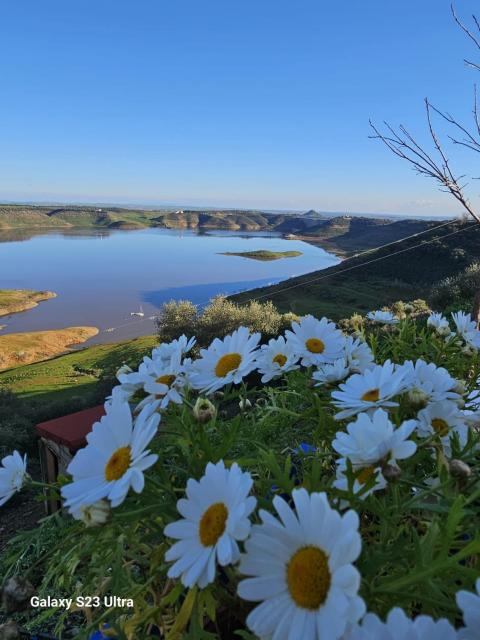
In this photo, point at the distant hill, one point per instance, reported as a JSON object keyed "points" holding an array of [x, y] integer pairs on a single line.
{"points": [[343, 234]]}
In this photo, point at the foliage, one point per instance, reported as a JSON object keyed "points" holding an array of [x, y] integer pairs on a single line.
{"points": [[219, 318], [457, 291], [420, 539]]}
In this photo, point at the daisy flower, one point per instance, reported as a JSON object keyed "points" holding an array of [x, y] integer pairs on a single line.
{"points": [[93, 515], [13, 472], [438, 322], [469, 603], [428, 383], [382, 317], [358, 354], [113, 460], [369, 390], [331, 373], [372, 439], [166, 349], [341, 481], [466, 328], [225, 361], [163, 381], [275, 358], [316, 341], [399, 627], [215, 517], [301, 570], [443, 419]]}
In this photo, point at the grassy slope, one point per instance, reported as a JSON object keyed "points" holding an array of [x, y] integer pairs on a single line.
{"points": [[16, 300], [34, 346], [405, 276], [77, 380]]}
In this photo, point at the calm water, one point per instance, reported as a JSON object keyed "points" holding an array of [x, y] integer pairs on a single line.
{"points": [[100, 277]]}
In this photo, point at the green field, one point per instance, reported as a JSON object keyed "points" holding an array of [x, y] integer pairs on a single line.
{"points": [[74, 381]]}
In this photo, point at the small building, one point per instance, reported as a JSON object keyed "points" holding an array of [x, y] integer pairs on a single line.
{"points": [[60, 439]]}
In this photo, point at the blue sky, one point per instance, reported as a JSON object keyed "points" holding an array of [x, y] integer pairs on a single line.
{"points": [[251, 103]]}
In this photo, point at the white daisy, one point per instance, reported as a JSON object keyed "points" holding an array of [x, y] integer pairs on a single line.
{"points": [[399, 627], [215, 516], [467, 329], [301, 570], [428, 383], [113, 460], [365, 475], [316, 341], [331, 373], [366, 391], [372, 439], [358, 354], [93, 515], [165, 350], [382, 317], [469, 603], [275, 358], [163, 381], [13, 472], [438, 322], [225, 361], [443, 419]]}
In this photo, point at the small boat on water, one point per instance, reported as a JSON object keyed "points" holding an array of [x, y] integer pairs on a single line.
{"points": [[138, 314]]}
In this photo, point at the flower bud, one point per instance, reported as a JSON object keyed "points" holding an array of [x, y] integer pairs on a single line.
{"points": [[10, 631], [418, 397], [16, 594], [468, 350], [204, 410], [244, 404], [460, 387], [459, 469], [124, 370], [391, 472], [93, 515]]}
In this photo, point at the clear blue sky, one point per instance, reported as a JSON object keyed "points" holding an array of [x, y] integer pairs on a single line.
{"points": [[250, 103]]}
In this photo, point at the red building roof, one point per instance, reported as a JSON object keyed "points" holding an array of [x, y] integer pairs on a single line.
{"points": [[71, 430]]}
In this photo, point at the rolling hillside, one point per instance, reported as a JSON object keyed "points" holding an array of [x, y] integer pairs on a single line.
{"points": [[405, 270], [344, 234]]}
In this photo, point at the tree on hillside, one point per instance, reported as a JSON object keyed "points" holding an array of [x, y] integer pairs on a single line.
{"points": [[434, 162]]}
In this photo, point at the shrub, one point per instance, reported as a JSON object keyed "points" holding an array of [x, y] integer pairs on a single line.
{"points": [[218, 319], [457, 291]]}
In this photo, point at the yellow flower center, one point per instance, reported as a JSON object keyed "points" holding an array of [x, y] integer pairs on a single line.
{"points": [[212, 524], [168, 380], [228, 362], [440, 426], [308, 577], [280, 359], [365, 475], [371, 396], [118, 464], [315, 345]]}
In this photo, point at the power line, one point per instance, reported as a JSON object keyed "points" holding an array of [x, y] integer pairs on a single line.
{"points": [[357, 266]]}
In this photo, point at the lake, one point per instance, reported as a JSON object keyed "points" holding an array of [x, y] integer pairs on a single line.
{"points": [[101, 276]]}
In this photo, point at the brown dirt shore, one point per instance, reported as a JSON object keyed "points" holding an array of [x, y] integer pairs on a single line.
{"points": [[18, 300], [24, 348]]}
